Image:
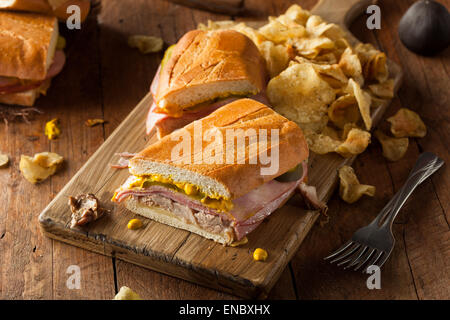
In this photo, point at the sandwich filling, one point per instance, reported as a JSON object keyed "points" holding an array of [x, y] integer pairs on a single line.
{"points": [[233, 217], [9, 85], [213, 201], [166, 123], [168, 113]]}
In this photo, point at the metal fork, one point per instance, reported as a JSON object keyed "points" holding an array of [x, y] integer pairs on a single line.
{"points": [[374, 243]]}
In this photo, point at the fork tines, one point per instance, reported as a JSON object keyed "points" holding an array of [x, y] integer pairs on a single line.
{"points": [[353, 254]]}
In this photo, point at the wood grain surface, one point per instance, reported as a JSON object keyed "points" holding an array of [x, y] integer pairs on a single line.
{"points": [[177, 252], [108, 79]]}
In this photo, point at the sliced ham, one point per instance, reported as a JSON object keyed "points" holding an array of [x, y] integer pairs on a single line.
{"points": [[20, 87], [13, 85], [59, 59], [123, 160], [166, 124], [309, 195], [248, 212], [8, 81], [154, 85]]}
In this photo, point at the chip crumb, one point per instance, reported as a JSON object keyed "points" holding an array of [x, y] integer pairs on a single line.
{"points": [[393, 148], [126, 293], [39, 167], [4, 160], [350, 189], [355, 143], [407, 123], [146, 44], [94, 122]]}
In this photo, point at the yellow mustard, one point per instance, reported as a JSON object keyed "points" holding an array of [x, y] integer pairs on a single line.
{"points": [[52, 130], [216, 202], [134, 224], [260, 255]]}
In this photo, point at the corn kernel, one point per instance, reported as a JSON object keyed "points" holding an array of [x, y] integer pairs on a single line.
{"points": [[260, 254], [134, 224]]}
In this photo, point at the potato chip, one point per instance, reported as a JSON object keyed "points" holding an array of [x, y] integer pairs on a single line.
{"points": [[384, 89], [343, 110], [376, 68], [407, 123], [241, 27], [366, 52], [373, 62], [317, 27], [4, 160], [279, 33], [252, 33], [340, 45], [332, 74], [393, 148], [297, 14], [355, 143], [311, 47], [276, 56], [126, 293], [364, 101], [216, 25], [47, 159], [321, 143], [40, 167], [350, 189], [347, 127], [300, 94], [316, 125], [146, 44], [351, 66], [331, 132], [93, 122], [326, 58]]}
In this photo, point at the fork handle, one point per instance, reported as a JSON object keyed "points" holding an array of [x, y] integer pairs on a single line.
{"points": [[427, 164]]}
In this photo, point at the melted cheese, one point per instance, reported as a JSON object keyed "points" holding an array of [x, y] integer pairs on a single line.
{"points": [[215, 201]]}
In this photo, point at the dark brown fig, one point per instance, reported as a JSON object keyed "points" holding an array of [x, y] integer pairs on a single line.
{"points": [[425, 28]]}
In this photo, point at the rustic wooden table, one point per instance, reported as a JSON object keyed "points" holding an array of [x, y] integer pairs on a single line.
{"points": [[105, 79]]}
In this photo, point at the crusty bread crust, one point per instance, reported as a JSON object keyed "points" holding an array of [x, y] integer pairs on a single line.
{"points": [[166, 217], [57, 8], [40, 6], [27, 44], [25, 98], [214, 61], [228, 180]]}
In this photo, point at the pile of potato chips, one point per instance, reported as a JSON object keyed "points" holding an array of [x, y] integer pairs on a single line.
{"points": [[319, 80]]}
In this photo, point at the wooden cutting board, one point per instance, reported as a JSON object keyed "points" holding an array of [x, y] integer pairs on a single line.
{"points": [[180, 253]]}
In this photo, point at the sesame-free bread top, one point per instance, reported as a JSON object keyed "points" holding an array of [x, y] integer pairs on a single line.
{"points": [[228, 180], [27, 44], [56, 8], [205, 65], [39, 6]]}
